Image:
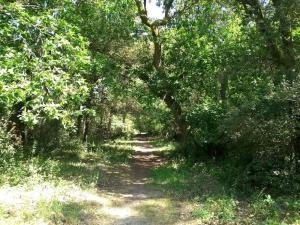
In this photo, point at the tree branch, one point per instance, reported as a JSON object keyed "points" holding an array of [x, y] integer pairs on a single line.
{"points": [[143, 13], [167, 18]]}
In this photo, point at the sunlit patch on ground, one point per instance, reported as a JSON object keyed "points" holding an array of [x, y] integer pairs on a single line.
{"points": [[109, 186]]}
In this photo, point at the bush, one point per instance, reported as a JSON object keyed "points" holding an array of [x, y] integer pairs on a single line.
{"points": [[205, 121], [222, 209]]}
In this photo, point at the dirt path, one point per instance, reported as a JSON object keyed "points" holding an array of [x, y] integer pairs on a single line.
{"points": [[132, 200], [121, 196]]}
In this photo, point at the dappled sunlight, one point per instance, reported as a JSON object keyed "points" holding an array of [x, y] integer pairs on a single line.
{"points": [[133, 200], [148, 144], [149, 112], [122, 194], [142, 149], [20, 196], [122, 209], [119, 213]]}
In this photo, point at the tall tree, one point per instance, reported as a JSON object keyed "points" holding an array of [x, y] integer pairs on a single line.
{"points": [[165, 94]]}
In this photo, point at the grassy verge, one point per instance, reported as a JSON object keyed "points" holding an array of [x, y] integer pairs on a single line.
{"points": [[217, 198], [58, 188]]}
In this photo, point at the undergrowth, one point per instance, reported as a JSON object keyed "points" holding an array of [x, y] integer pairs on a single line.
{"points": [[73, 162], [55, 188], [220, 196]]}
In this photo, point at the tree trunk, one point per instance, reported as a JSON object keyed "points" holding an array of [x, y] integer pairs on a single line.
{"points": [[296, 146], [288, 52], [109, 122], [180, 123], [17, 125], [165, 95], [86, 117], [124, 117], [283, 55], [79, 124], [86, 126]]}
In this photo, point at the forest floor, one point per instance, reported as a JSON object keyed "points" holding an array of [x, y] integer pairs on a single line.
{"points": [[107, 186], [132, 182], [134, 200]]}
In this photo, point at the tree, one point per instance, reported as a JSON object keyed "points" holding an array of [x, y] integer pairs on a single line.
{"points": [[42, 67], [276, 21], [164, 93]]}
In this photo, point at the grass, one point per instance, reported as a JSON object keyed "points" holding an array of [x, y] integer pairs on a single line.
{"points": [[66, 212], [63, 188], [220, 209], [45, 212], [164, 145], [60, 188], [74, 163], [218, 199]]}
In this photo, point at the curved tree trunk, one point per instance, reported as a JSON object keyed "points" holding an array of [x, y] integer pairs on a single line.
{"points": [[165, 95]]}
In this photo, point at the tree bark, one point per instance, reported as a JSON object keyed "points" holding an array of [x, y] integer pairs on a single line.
{"points": [[86, 117], [109, 122], [79, 124], [296, 146], [86, 127], [180, 123], [16, 124]]}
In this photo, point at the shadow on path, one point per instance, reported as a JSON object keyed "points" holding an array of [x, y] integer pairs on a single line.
{"points": [[131, 181], [133, 200]]}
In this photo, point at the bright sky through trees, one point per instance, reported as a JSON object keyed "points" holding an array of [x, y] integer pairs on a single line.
{"points": [[154, 10]]}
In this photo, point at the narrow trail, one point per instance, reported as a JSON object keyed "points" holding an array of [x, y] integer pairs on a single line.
{"points": [[132, 200], [131, 180]]}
